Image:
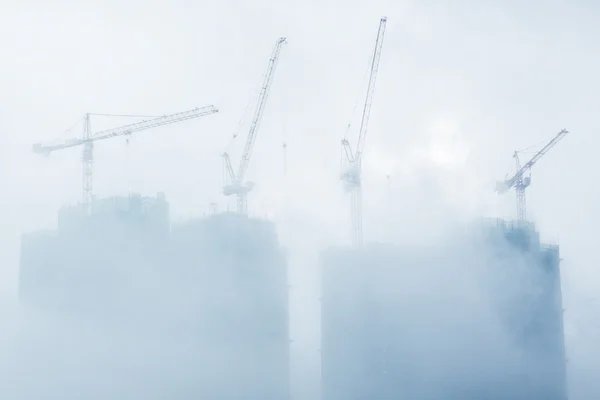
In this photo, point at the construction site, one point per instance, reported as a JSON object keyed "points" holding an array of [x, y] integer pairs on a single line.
{"points": [[206, 301]]}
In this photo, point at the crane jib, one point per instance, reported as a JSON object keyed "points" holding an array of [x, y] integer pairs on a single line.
{"points": [[260, 107], [519, 174], [234, 184], [128, 129]]}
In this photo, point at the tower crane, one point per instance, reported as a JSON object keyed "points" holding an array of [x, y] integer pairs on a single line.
{"points": [[88, 139], [351, 176], [519, 181], [234, 182]]}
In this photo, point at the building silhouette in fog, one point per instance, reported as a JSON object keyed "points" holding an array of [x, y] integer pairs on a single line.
{"points": [[203, 304], [232, 269], [535, 320], [390, 329], [86, 266]]}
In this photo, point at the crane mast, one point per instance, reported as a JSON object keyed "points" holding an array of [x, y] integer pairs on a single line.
{"points": [[88, 139], [519, 181], [352, 175], [234, 182]]}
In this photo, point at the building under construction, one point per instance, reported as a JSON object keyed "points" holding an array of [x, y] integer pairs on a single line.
{"points": [[87, 264], [480, 317], [232, 276], [205, 302]]}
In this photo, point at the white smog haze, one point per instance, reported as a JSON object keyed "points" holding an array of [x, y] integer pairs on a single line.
{"points": [[461, 86]]}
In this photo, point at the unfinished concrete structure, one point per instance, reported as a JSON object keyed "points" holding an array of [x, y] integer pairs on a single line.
{"points": [[479, 316], [199, 310], [535, 318], [87, 265], [231, 273]]}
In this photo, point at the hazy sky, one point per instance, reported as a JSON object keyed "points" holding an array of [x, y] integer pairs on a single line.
{"points": [[461, 85]]}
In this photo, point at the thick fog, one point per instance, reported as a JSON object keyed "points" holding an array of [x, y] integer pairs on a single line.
{"points": [[468, 318], [461, 86]]}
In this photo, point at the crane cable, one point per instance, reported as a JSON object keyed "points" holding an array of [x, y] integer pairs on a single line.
{"points": [[79, 120], [537, 145], [283, 105], [127, 164], [527, 150], [126, 115], [127, 168], [242, 120]]}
